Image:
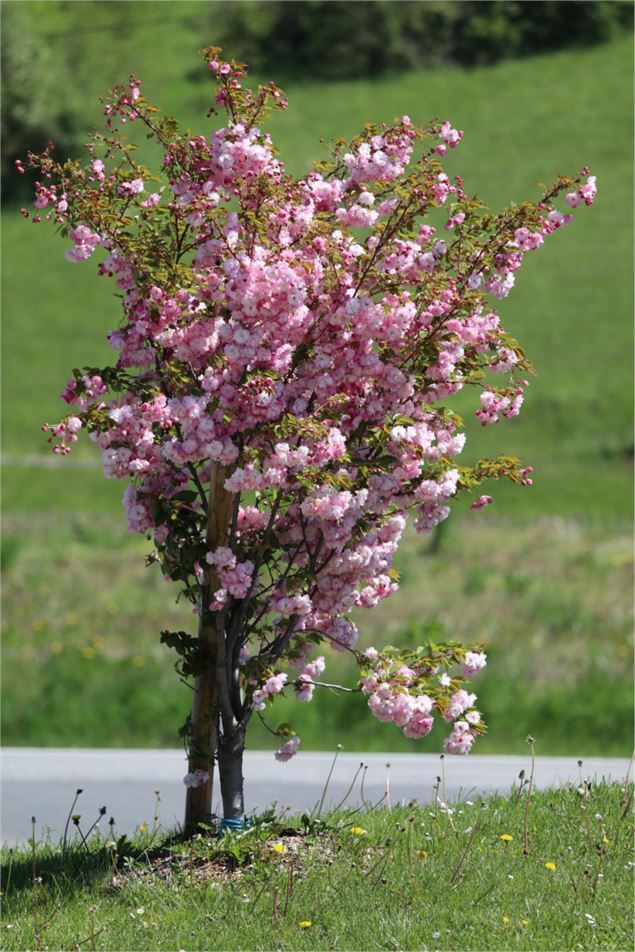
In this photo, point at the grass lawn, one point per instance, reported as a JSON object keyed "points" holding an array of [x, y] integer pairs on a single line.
{"points": [[543, 577], [415, 878]]}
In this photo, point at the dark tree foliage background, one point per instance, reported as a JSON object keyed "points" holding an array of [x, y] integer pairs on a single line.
{"points": [[52, 50], [337, 38]]}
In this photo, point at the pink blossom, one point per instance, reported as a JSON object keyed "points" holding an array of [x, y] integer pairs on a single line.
{"points": [[419, 724], [528, 240], [293, 605], [450, 136], [84, 243], [196, 779], [474, 661], [460, 702], [304, 689], [135, 187], [258, 700], [460, 740], [288, 750], [588, 191], [356, 216], [274, 684], [481, 502]]}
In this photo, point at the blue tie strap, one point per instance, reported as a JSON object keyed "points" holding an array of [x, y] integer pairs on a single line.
{"points": [[235, 825]]}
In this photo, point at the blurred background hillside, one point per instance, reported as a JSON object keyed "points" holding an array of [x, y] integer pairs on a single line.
{"points": [[543, 577]]}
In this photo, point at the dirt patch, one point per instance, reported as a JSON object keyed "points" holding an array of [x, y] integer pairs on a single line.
{"points": [[211, 860]]}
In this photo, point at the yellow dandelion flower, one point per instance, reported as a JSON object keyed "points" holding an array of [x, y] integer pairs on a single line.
{"points": [[551, 866], [358, 831], [505, 919], [423, 854], [525, 922], [506, 838], [279, 847], [306, 924], [143, 828], [605, 839], [88, 652]]}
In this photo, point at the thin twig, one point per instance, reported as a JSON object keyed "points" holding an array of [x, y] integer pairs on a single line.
{"points": [[463, 856], [328, 779], [92, 936], [289, 890], [361, 792], [68, 818], [531, 742]]}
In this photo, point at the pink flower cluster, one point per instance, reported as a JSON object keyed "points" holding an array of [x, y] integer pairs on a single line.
{"points": [[235, 577], [481, 502], [474, 661], [196, 778], [586, 193], [305, 684], [495, 404], [288, 750], [450, 136], [390, 700], [134, 187], [272, 686], [383, 158], [460, 740], [408, 696], [65, 432], [84, 243]]}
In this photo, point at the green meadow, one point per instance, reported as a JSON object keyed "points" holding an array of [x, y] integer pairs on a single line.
{"points": [[543, 577]]}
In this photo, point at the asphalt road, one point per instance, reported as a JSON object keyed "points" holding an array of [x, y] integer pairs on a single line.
{"points": [[41, 782]]}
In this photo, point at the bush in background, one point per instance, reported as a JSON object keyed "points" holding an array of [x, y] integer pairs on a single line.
{"points": [[337, 39]]}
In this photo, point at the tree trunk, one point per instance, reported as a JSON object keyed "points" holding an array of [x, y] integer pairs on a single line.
{"points": [[230, 768], [203, 740], [203, 743]]}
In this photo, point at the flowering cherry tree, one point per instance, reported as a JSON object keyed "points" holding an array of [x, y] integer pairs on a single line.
{"points": [[278, 405]]}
